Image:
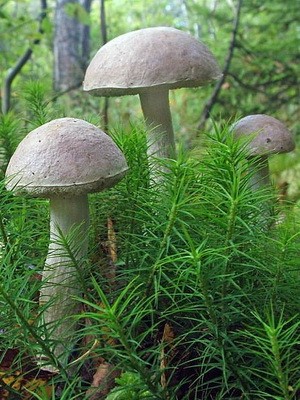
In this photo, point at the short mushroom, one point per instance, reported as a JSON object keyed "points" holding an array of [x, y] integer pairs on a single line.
{"points": [[150, 62], [270, 136], [64, 160]]}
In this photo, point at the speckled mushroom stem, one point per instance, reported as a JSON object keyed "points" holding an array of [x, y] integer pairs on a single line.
{"points": [[260, 176], [156, 110], [69, 218]]}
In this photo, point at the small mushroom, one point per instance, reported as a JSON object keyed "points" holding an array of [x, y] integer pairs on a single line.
{"points": [[270, 136], [64, 160], [150, 62]]}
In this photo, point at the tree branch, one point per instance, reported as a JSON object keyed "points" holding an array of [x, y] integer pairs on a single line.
{"points": [[61, 93], [85, 35], [103, 22], [214, 97], [261, 87], [254, 87], [15, 70], [104, 41]]}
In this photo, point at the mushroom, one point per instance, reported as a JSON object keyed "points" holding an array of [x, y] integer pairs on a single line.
{"points": [[150, 62], [270, 136], [64, 160]]}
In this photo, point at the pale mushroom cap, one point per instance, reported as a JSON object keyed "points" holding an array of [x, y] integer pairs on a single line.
{"points": [[270, 136], [65, 156], [150, 57]]}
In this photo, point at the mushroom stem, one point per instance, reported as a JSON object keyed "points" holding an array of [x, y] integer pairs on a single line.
{"points": [[156, 110], [69, 218], [260, 174]]}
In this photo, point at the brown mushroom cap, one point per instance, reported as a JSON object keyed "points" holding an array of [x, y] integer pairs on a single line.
{"points": [[270, 136], [65, 156], [151, 57]]}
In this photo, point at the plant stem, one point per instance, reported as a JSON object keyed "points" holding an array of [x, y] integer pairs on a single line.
{"points": [[3, 232], [167, 232], [278, 365], [229, 234]]}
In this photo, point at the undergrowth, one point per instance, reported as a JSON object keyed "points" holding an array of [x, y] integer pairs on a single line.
{"points": [[191, 285]]}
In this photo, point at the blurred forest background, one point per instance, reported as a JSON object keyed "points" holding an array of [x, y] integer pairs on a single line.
{"points": [[256, 44]]}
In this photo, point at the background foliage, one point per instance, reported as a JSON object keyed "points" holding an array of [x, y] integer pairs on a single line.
{"points": [[263, 76], [205, 298]]}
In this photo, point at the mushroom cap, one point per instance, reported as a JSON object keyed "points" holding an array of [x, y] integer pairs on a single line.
{"points": [[151, 57], [270, 136], [66, 156]]}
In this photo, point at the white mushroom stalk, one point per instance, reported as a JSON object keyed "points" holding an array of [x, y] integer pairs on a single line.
{"points": [[157, 114], [63, 161], [62, 279], [259, 174], [150, 62]]}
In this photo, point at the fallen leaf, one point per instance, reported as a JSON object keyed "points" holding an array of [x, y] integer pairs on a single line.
{"points": [[19, 374], [166, 352], [103, 381]]}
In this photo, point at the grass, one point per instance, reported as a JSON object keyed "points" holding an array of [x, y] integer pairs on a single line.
{"points": [[191, 289]]}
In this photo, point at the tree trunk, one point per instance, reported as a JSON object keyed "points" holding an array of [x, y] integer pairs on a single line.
{"points": [[85, 35], [68, 59]]}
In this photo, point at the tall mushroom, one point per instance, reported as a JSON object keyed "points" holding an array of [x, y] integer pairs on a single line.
{"points": [[150, 62], [64, 160], [270, 136]]}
